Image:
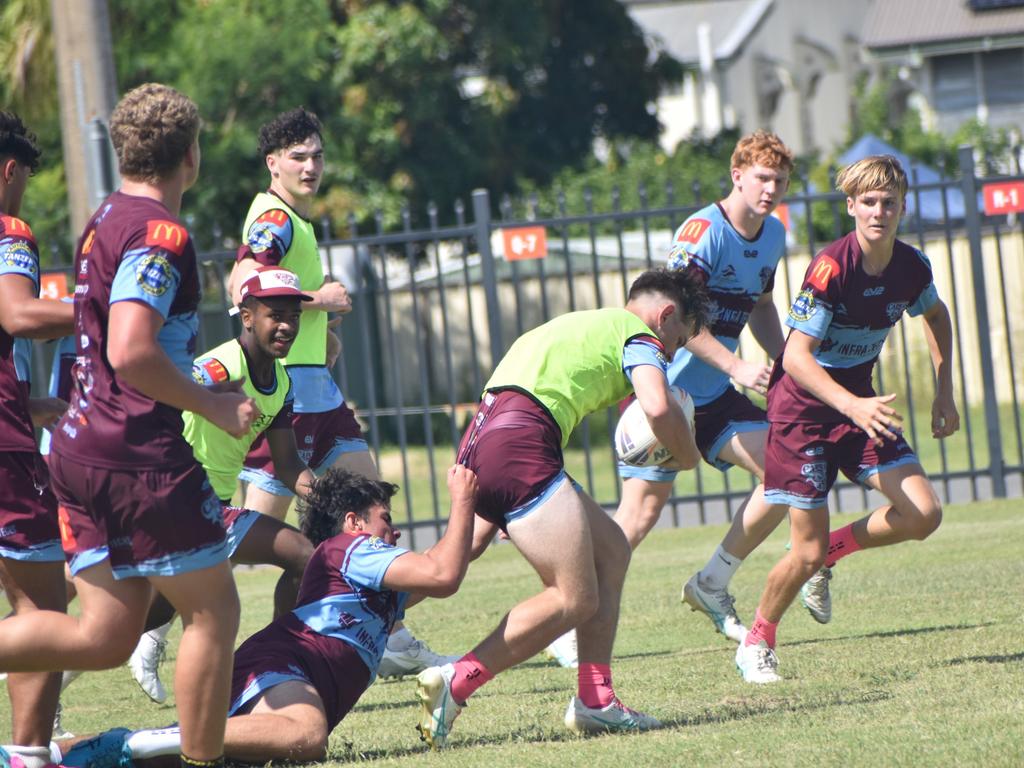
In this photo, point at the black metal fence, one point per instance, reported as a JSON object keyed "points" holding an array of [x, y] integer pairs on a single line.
{"points": [[436, 307]]}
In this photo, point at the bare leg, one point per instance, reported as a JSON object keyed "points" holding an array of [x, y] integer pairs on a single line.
{"points": [[33, 587], [556, 540], [809, 539], [640, 507], [915, 511], [208, 604], [287, 723], [266, 503], [275, 543]]}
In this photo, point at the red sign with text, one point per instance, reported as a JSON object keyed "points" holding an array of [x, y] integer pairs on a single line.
{"points": [[525, 243], [53, 285], [1004, 197]]}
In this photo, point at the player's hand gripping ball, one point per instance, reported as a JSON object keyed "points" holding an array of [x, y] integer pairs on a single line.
{"points": [[635, 443]]}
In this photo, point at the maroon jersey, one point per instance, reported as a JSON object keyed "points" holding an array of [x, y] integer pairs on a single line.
{"points": [[852, 313], [133, 249], [18, 256]]}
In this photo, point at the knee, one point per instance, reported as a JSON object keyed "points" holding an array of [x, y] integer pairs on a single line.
{"points": [[925, 520], [580, 606], [808, 558]]}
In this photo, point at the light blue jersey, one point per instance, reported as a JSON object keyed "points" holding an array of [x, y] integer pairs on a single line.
{"points": [[736, 271]]}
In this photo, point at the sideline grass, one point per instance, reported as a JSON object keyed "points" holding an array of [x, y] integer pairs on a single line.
{"points": [[922, 665]]}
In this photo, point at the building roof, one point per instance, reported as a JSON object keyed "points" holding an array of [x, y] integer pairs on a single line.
{"points": [[675, 24], [921, 23]]}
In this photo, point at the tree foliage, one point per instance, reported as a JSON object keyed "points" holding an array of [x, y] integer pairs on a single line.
{"points": [[421, 99]]}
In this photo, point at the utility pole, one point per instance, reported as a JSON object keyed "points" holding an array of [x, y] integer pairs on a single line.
{"points": [[87, 90]]}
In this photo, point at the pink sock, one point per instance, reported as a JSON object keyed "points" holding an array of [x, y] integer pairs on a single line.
{"points": [[840, 544], [470, 674], [595, 685], [762, 630]]}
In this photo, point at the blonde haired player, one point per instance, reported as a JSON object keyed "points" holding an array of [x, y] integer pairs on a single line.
{"points": [[825, 415]]}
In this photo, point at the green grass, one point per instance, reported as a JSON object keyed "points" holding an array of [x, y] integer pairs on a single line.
{"points": [[707, 480], [922, 665]]}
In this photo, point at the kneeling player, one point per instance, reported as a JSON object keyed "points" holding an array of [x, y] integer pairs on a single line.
{"points": [[298, 677]]}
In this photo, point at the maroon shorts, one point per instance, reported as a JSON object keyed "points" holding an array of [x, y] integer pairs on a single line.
{"points": [[289, 650], [149, 522], [514, 447], [320, 438], [802, 461], [28, 509], [719, 421]]}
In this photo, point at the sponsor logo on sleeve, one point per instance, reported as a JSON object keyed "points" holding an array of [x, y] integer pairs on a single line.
{"points": [[89, 240], [261, 233], [375, 542], [822, 271], [803, 307], [12, 225], [154, 274], [19, 255], [215, 370], [692, 231], [167, 235]]}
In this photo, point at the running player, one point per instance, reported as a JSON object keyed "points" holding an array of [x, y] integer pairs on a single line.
{"points": [[31, 560], [278, 231], [732, 247], [136, 509], [550, 379], [825, 415], [297, 678]]}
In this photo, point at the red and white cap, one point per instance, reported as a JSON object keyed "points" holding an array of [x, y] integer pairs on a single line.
{"points": [[267, 281]]}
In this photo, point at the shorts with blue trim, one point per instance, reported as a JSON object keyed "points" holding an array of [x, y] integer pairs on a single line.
{"points": [[717, 422], [802, 461], [514, 447], [147, 522], [28, 510], [321, 438]]}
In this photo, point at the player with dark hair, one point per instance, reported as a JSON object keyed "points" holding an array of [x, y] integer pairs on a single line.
{"points": [[825, 415], [278, 231], [136, 510], [297, 678], [31, 560], [733, 247], [548, 382]]}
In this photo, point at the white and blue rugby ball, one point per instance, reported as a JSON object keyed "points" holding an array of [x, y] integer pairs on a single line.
{"points": [[635, 443]]}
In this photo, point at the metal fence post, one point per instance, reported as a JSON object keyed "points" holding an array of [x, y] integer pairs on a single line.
{"points": [[972, 221], [482, 222]]}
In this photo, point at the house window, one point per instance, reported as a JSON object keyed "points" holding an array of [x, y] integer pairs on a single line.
{"points": [[1003, 75], [953, 82]]}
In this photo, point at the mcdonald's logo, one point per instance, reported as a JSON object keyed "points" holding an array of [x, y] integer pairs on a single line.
{"points": [[693, 230], [12, 225], [167, 235], [275, 216], [67, 536], [821, 272]]}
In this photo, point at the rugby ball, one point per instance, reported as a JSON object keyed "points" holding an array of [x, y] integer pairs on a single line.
{"points": [[635, 443]]}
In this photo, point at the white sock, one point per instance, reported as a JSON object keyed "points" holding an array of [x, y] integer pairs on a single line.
{"points": [[160, 633], [67, 678], [400, 639], [55, 754], [32, 757], [155, 742], [720, 569]]}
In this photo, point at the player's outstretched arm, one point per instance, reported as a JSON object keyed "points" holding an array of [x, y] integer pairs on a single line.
{"points": [[23, 314], [137, 358], [713, 352], [664, 415], [439, 571], [764, 324], [938, 330], [872, 414]]}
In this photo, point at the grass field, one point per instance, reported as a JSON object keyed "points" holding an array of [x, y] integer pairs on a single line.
{"points": [[922, 665]]}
